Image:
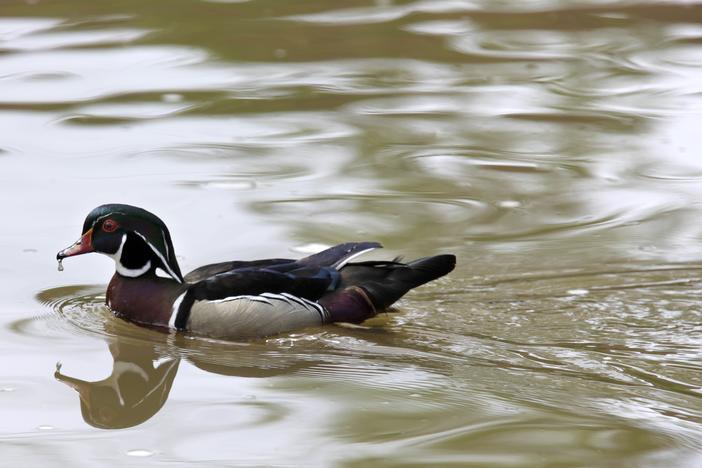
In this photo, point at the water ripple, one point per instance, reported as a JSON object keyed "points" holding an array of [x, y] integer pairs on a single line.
{"points": [[552, 145]]}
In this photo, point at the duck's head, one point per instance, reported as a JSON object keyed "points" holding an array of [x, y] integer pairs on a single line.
{"points": [[138, 241]]}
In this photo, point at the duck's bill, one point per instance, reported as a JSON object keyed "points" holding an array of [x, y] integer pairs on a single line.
{"points": [[81, 246]]}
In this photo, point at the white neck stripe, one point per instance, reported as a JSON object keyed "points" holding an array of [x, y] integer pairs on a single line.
{"points": [[124, 271], [168, 251], [133, 273], [163, 260]]}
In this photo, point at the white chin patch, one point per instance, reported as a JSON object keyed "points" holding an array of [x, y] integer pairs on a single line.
{"points": [[124, 271]]}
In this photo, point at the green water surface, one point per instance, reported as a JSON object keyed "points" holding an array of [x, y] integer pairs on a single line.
{"points": [[553, 146]]}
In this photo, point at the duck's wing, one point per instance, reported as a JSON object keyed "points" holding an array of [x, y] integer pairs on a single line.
{"points": [[339, 255], [335, 257], [306, 282], [208, 271]]}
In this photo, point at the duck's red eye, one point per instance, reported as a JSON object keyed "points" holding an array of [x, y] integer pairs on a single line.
{"points": [[109, 225]]}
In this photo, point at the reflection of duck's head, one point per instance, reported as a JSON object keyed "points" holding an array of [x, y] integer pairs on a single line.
{"points": [[135, 391]]}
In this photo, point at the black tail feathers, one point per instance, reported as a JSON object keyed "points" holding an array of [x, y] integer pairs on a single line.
{"points": [[400, 278], [428, 269], [381, 284]]}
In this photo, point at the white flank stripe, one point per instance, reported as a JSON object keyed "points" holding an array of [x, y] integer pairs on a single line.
{"points": [[235, 298], [308, 304], [174, 310], [280, 297], [266, 298], [285, 297]]}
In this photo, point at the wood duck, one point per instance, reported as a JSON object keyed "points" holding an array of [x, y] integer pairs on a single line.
{"points": [[241, 299]]}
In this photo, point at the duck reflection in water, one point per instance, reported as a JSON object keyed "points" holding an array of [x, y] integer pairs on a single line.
{"points": [[137, 388], [143, 372]]}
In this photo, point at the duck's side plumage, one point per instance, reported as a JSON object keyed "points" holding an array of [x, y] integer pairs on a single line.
{"points": [[250, 316], [242, 299]]}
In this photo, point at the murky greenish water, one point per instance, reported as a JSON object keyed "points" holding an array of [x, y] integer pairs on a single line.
{"points": [[554, 146]]}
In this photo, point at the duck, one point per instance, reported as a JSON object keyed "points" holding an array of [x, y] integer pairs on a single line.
{"points": [[241, 299]]}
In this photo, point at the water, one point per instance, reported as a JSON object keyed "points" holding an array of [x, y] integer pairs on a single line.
{"points": [[551, 145]]}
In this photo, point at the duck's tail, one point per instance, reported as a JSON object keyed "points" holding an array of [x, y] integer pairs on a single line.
{"points": [[369, 287]]}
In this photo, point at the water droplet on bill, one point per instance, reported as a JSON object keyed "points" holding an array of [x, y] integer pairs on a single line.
{"points": [[140, 453], [172, 97], [509, 204]]}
